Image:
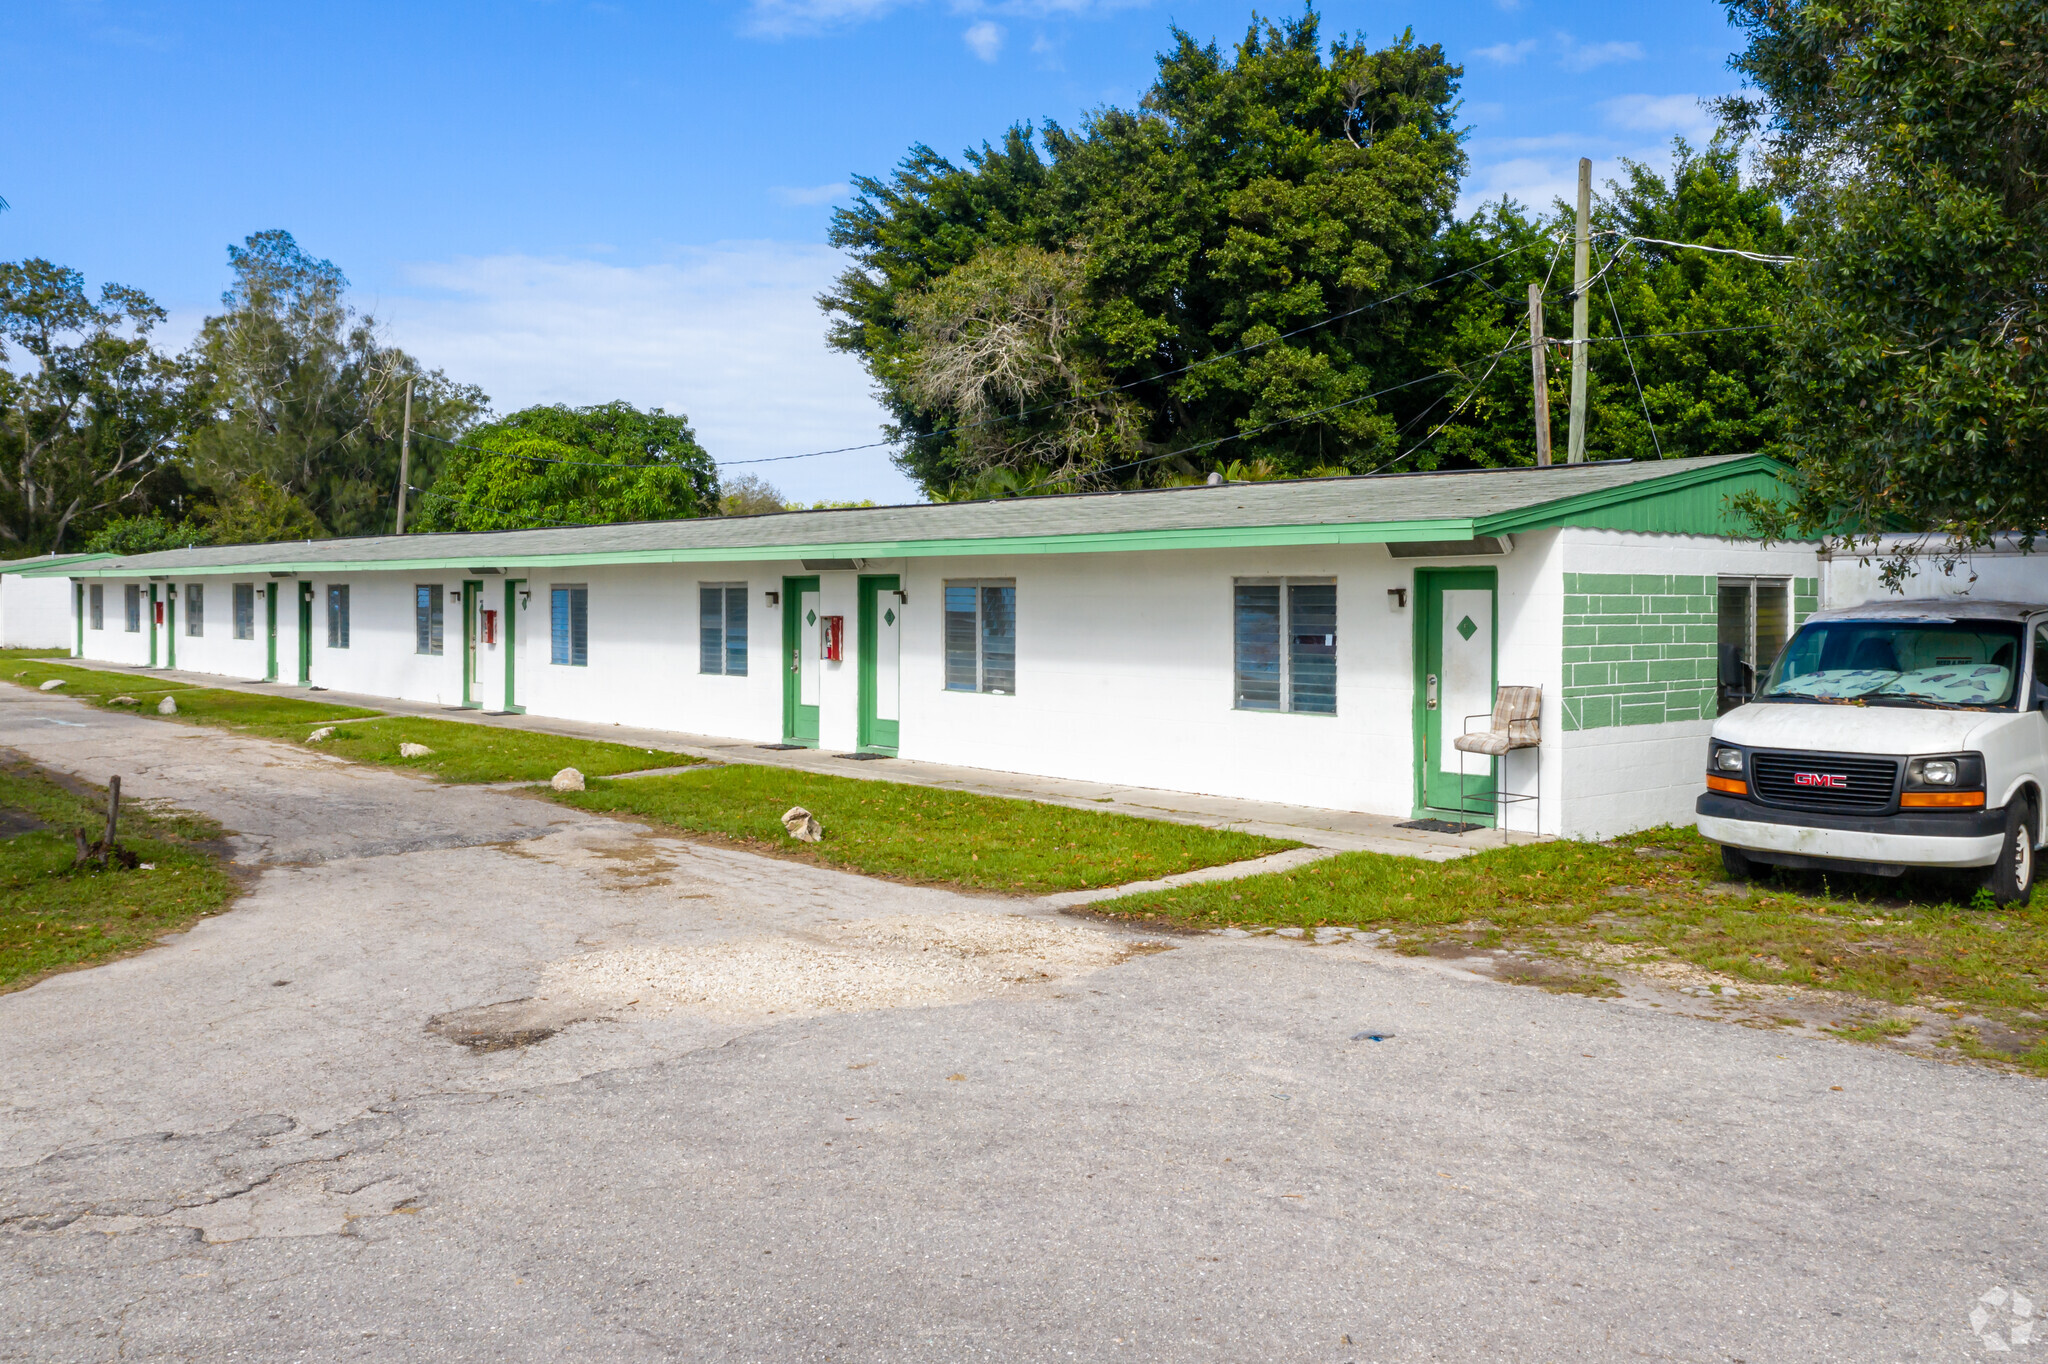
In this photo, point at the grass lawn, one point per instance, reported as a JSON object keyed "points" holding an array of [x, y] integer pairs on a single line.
{"points": [[53, 918], [1659, 895], [465, 752], [917, 833], [89, 684]]}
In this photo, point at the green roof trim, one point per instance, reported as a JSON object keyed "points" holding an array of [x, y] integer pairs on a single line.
{"points": [[33, 566], [1687, 497]]}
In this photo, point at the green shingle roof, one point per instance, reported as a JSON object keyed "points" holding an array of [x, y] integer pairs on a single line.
{"points": [[1677, 496]]}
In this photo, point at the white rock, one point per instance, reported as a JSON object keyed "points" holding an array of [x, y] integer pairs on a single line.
{"points": [[52, 684], [167, 706], [413, 750], [122, 701], [803, 825], [568, 779], [324, 732], [1288, 932]]}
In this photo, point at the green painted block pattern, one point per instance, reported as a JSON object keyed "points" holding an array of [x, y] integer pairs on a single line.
{"points": [[1639, 647]]}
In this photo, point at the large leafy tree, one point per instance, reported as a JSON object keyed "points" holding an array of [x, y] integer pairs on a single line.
{"points": [[304, 394], [90, 426], [1912, 136], [561, 466], [1014, 309], [1683, 351]]}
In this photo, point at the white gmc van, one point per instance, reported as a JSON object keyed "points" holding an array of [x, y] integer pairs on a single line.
{"points": [[1892, 735]]}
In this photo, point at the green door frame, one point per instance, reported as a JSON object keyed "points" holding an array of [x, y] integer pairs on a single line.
{"points": [[471, 592], [151, 623], [79, 652], [305, 634], [875, 735], [510, 645], [170, 625], [270, 629], [1430, 584], [794, 721]]}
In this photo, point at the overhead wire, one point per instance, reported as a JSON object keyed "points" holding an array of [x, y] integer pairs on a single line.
{"points": [[1632, 373]]}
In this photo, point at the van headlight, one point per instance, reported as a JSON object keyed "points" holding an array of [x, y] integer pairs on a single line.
{"points": [[1954, 772], [1727, 759], [1935, 772]]}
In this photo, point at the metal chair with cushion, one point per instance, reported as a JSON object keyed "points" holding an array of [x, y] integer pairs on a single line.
{"points": [[1517, 722]]}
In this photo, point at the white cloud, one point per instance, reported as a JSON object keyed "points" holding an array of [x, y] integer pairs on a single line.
{"points": [[783, 18], [984, 39], [729, 334], [1507, 54], [1574, 55], [1682, 114], [800, 196]]}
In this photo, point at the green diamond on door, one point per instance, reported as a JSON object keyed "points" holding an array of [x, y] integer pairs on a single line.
{"points": [[1466, 629], [889, 616], [811, 618]]}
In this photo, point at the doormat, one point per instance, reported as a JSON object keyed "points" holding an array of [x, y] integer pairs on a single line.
{"points": [[862, 757], [782, 748], [1439, 826]]}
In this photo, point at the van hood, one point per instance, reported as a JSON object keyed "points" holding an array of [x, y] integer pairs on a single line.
{"points": [[1854, 729]]}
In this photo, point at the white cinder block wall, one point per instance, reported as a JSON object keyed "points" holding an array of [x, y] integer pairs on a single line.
{"points": [[35, 613], [1124, 666]]}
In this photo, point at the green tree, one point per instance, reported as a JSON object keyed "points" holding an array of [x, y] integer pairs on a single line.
{"points": [[92, 425], [1703, 393], [749, 495], [1013, 310], [145, 533], [303, 393], [552, 466], [1912, 136]]}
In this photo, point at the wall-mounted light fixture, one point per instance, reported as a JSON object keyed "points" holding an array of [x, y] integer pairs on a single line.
{"points": [[1397, 598], [525, 597], [902, 597], [774, 598]]}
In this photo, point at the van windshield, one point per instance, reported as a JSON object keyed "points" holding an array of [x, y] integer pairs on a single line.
{"points": [[1940, 665]]}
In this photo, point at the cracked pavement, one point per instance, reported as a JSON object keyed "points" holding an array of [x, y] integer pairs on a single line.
{"points": [[249, 1143]]}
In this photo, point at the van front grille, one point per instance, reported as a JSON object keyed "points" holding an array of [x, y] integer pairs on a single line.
{"points": [[1825, 781]]}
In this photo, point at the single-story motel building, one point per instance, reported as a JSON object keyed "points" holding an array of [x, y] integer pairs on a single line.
{"points": [[1317, 642]]}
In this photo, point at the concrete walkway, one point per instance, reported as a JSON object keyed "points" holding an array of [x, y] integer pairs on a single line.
{"points": [[1328, 830]]}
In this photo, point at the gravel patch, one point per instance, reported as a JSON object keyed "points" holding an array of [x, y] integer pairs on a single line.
{"points": [[884, 963]]}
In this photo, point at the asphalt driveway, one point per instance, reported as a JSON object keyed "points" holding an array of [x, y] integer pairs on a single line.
{"points": [[262, 1140]]}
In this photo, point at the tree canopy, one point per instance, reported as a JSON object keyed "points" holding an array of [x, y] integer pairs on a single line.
{"points": [[561, 466], [1912, 136], [1261, 269]]}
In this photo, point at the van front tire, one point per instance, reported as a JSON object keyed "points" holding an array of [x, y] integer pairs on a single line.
{"points": [[2011, 878], [1736, 863]]}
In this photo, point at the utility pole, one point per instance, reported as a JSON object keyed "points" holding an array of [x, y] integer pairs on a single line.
{"points": [[1537, 373], [404, 459], [1581, 248]]}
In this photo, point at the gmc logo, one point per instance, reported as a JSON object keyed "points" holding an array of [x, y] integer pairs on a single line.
{"points": [[1830, 779]]}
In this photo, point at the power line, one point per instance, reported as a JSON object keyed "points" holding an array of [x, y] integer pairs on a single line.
{"points": [[1761, 257], [1625, 350]]}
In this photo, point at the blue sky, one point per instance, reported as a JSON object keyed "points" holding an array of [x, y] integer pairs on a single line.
{"points": [[571, 201]]}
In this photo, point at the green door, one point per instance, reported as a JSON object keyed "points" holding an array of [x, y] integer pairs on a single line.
{"points": [[270, 631], [171, 626], [510, 644], [305, 634], [1454, 684], [150, 607], [79, 652], [801, 665], [881, 628], [472, 593]]}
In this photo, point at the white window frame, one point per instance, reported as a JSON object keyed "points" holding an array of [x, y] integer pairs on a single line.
{"points": [[195, 610], [96, 606], [1286, 706], [726, 591], [981, 686], [337, 615], [131, 608]]}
